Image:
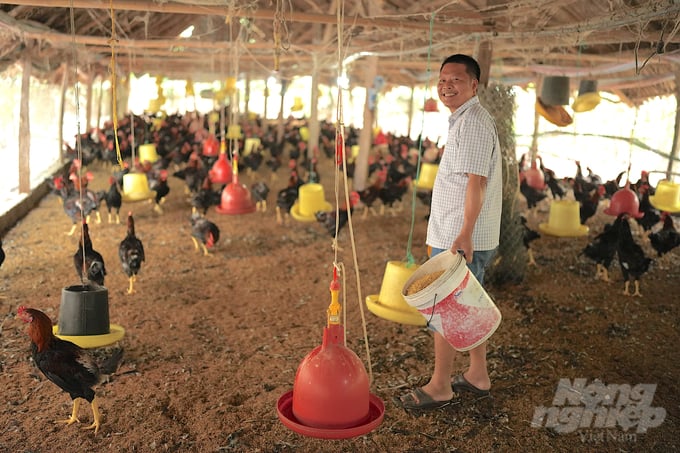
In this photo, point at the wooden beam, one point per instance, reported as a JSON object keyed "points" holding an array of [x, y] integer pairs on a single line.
{"points": [[25, 125], [294, 16]]}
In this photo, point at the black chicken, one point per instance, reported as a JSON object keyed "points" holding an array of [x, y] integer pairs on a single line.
{"points": [[667, 238], [588, 205], [2, 254], [532, 195], [206, 197], [162, 189], [650, 215], [334, 221], [259, 192], [113, 199], [204, 233], [528, 236], [632, 258], [131, 253], [73, 207], [88, 262], [603, 248], [286, 197]]}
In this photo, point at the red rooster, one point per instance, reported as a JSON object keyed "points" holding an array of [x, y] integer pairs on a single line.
{"points": [[70, 367], [204, 233], [131, 253]]}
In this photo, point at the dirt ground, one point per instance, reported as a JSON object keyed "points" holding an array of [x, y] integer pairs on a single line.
{"points": [[213, 342]]}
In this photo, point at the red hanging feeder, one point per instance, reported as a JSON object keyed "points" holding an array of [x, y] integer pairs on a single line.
{"points": [[220, 173], [431, 105], [624, 201], [330, 397], [236, 198], [534, 177], [211, 146]]}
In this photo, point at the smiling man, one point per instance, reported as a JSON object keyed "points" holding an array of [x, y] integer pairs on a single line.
{"points": [[465, 217]]}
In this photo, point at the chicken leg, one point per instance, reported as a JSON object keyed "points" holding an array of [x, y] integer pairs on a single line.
{"points": [[95, 415], [532, 261], [74, 414], [132, 280], [626, 288], [202, 245]]}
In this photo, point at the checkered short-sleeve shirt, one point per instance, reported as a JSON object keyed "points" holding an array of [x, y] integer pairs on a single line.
{"points": [[471, 148]]}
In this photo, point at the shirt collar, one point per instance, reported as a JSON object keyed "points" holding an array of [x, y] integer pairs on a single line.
{"points": [[460, 110]]}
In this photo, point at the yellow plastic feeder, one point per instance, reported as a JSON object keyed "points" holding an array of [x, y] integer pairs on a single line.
{"points": [[564, 220], [310, 201], [390, 304], [428, 172], [250, 144], [234, 132], [136, 187], [147, 153], [666, 197]]}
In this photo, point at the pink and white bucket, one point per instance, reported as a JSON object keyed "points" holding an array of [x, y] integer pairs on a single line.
{"points": [[455, 304]]}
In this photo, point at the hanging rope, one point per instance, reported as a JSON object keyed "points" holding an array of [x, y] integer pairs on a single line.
{"points": [[410, 261], [79, 146], [114, 95], [341, 158]]}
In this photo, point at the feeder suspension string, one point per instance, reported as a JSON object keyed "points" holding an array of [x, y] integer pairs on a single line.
{"points": [[114, 94], [79, 146], [340, 20]]}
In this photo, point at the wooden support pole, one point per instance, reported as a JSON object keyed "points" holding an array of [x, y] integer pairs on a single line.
{"points": [[24, 124], [88, 108], [676, 131], [62, 109], [410, 110], [366, 134], [313, 124]]}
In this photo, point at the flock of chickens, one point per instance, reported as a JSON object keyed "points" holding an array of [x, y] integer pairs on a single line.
{"points": [[179, 142], [616, 240]]}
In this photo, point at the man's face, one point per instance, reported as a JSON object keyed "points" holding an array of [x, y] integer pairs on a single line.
{"points": [[455, 85]]}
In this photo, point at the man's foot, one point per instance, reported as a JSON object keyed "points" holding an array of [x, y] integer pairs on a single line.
{"points": [[460, 384]]}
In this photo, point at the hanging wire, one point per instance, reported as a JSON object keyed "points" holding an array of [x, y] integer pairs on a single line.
{"points": [[341, 157], [410, 261], [114, 96], [79, 147]]}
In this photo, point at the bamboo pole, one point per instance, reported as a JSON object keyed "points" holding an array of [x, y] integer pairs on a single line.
{"points": [[676, 131], [366, 134], [313, 140], [88, 108], [24, 124], [62, 109]]}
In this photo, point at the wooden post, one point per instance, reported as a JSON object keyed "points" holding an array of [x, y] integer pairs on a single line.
{"points": [[366, 134], [313, 123], [246, 97], [484, 52], [676, 131], [99, 107], [88, 114], [62, 108], [280, 125], [265, 122], [410, 111], [24, 124]]}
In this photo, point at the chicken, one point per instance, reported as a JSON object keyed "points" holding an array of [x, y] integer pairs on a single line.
{"points": [[131, 253], [667, 238], [528, 236], [602, 249], [532, 195], [67, 365], [206, 197], [632, 259], [334, 221], [286, 197], [162, 189], [204, 233], [588, 206], [113, 199], [78, 209], [259, 192], [88, 262], [650, 215]]}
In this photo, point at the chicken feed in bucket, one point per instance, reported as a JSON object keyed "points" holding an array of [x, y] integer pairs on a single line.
{"points": [[452, 301]]}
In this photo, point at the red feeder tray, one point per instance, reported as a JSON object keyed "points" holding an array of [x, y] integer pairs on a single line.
{"points": [[236, 199], [376, 412]]}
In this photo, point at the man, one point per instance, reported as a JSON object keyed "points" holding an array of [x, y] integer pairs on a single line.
{"points": [[464, 216]]}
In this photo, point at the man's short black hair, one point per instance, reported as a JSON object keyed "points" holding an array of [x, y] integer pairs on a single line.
{"points": [[470, 63]]}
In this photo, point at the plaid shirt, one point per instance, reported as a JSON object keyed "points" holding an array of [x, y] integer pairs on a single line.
{"points": [[471, 147]]}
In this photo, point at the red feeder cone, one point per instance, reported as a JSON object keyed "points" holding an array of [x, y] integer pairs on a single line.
{"points": [[220, 173], [211, 146], [236, 198], [330, 397], [624, 201], [534, 177]]}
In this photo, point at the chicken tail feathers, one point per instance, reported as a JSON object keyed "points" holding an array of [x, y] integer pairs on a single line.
{"points": [[111, 363]]}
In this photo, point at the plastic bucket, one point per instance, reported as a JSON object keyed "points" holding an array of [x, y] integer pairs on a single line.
{"points": [[455, 304]]}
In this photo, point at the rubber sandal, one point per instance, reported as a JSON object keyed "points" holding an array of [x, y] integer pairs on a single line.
{"points": [[424, 401], [460, 384]]}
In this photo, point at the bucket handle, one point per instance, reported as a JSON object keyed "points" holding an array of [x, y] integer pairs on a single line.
{"points": [[434, 303]]}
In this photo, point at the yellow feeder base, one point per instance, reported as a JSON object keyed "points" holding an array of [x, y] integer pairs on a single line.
{"points": [[116, 333], [409, 315], [390, 304]]}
